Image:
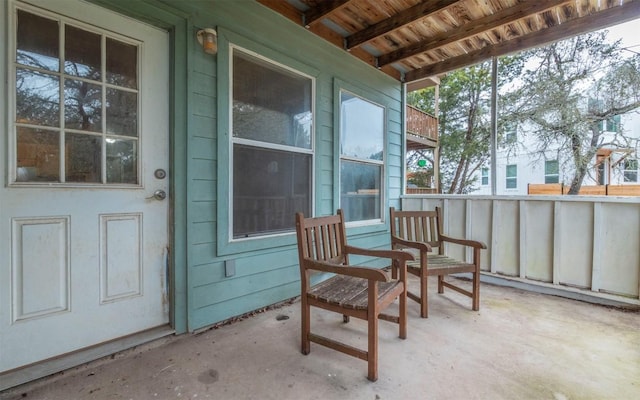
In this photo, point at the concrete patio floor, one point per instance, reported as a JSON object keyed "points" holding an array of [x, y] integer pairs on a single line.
{"points": [[520, 345]]}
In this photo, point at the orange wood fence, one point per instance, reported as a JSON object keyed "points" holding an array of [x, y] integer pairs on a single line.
{"points": [[554, 189]]}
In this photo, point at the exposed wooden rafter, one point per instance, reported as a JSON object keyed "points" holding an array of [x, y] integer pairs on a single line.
{"points": [[408, 16], [411, 40], [323, 8], [503, 17], [588, 23]]}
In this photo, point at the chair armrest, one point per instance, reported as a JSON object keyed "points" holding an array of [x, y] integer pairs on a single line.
{"points": [[392, 254], [423, 247], [463, 242], [358, 272]]}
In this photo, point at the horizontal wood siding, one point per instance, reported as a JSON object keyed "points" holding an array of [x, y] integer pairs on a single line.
{"points": [[266, 276]]}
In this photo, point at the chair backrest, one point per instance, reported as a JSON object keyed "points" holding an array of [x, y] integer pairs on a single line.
{"points": [[418, 226], [321, 239]]}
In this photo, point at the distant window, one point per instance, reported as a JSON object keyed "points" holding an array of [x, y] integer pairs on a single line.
{"points": [[551, 171], [485, 176], [512, 176], [611, 124], [631, 170], [510, 133]]}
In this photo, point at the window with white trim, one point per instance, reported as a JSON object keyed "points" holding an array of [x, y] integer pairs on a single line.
{"points": [[484, 176], [272, 145], [361, 157], [76, 100], [551, 171], [512, 176], [631, 170]]}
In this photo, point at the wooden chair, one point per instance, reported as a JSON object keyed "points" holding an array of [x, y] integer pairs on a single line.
{"points": [[422, 232], [359, 292]]}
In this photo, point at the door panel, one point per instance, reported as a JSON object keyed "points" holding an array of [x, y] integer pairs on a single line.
{"points": [[83, 242]]}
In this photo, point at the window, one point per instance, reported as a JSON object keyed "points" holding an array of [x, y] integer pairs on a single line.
{"points": [[512, 176], [485, 176], [551, 171], [510, 133], [76, 104], [631, 170], [272, 145], [361, 158], [611, 124]]}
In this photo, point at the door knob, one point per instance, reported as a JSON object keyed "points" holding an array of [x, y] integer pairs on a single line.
{"points": [[158, 195]]}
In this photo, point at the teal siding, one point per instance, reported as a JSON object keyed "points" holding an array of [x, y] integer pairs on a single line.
{"points": [[266, 270]]}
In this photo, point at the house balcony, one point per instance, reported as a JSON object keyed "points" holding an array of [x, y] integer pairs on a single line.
{"points": [[422, 129]]}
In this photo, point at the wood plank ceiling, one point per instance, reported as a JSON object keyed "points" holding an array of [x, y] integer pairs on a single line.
{"points": [[415, 40]]}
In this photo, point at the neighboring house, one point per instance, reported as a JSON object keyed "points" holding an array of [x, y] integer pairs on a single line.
{"points": [[518, 165]]}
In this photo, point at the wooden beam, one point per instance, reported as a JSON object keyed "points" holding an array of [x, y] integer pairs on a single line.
{"points": [[576, 26], [502, 17], [323, 8], [405, 17], [285, 9]]}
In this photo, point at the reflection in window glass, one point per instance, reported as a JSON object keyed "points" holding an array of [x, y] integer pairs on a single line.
{"points": [[38, 153], [362, 151], [272, 137], [82, 53], [360, 190], [122, 112], [122, 64], [72, 149], [37, 98], [272, 186], [122, 161], [362, 128], [82, 105], [83, 158], [37, 42], [270, 104]]}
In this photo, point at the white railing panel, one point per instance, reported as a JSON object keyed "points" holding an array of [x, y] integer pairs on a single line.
{"points": [[571, 242], [618, 240], [574, 252]]}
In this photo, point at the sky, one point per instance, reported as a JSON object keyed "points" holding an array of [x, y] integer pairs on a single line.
{"points": [[628, 32]]}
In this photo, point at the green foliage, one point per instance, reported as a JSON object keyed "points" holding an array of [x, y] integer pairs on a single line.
{"points": [[464, 120]]}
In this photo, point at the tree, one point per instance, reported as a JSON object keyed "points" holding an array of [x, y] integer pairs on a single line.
{"points": [[569, 92], [464, 121]]}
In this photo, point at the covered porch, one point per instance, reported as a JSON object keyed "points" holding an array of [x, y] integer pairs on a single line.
{"points": [[520, 345]]}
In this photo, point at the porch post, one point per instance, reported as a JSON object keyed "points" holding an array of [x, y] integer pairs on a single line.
{"points": [[494, 124]]}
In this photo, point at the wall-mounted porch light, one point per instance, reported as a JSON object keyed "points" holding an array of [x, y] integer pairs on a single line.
{"points": [[208, 38]]}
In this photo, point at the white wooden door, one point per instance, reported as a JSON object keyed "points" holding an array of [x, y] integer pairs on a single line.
{"points": [[83, 240]]}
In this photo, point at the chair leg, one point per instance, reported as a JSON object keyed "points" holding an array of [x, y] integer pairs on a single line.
{"points": [[475, 299], [402, 318], [372, 353], [306, 327], [424, 308], [440, 285]]}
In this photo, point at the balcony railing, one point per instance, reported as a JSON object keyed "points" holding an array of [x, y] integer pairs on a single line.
{"points": [[585, 247], [421, 124]]}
